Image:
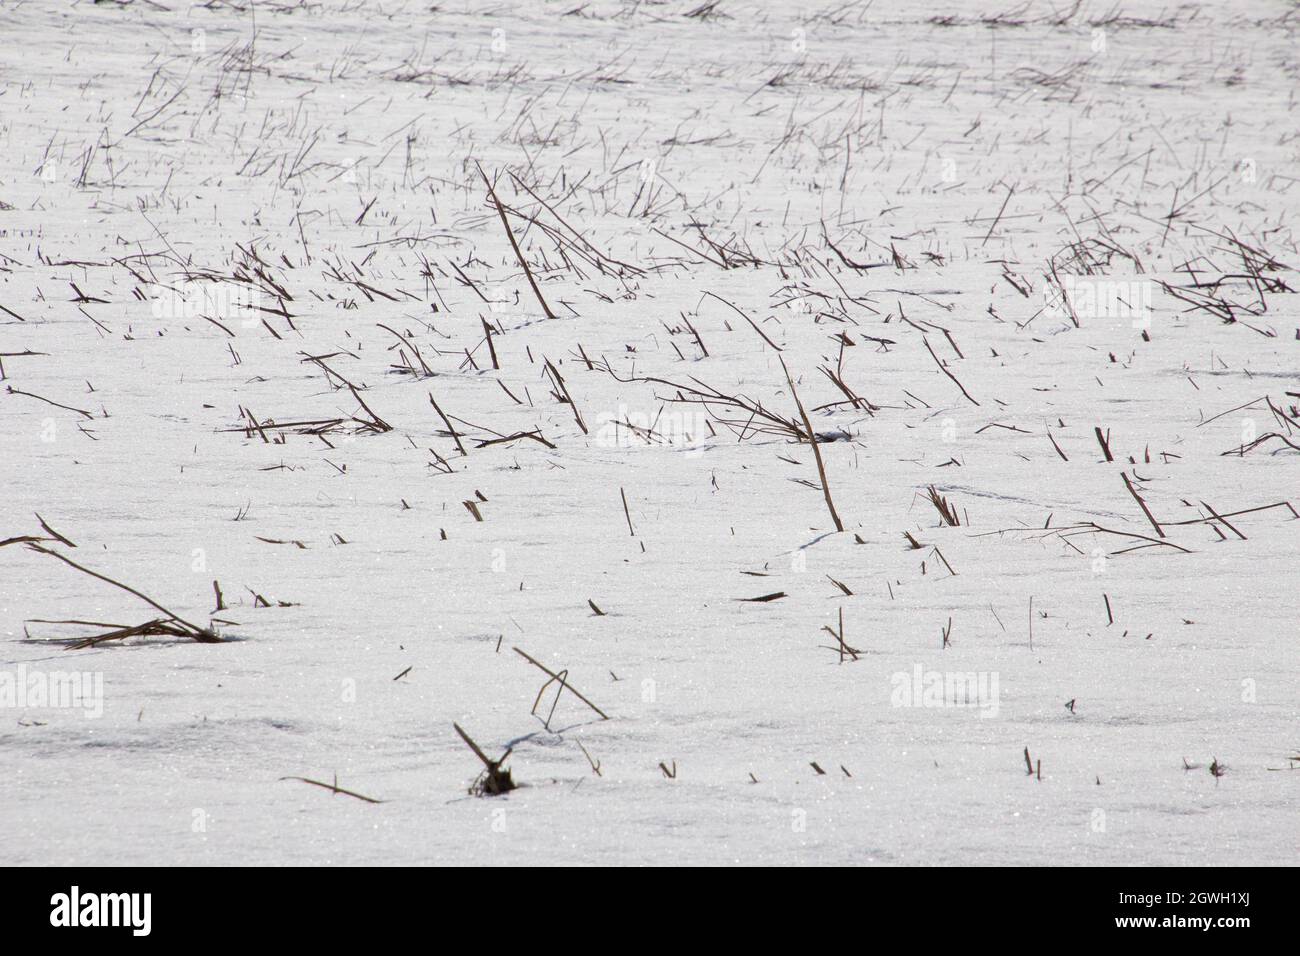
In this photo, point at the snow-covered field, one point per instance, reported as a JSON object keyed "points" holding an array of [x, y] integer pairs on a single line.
{"points": [[246, 247]]}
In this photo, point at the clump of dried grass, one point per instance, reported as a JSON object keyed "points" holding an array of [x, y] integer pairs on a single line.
{"points": [[495, 779], [947, 513]]}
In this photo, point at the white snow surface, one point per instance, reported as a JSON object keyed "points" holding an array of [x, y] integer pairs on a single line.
{"points": [[689, 163]]}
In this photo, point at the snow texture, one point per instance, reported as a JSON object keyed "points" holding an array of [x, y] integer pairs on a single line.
{"points": [[247, 246]]}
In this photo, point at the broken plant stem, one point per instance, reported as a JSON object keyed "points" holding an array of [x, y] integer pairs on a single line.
{"points": [[198, 633], [812, 440], [554, 676], [515, 245]]}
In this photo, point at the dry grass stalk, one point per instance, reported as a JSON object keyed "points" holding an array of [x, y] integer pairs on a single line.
{"points": [[492, 193], [562, 393], [564, 682], [817, 454], [945, 508], [1142, 504], [334, 788], [173, 624]]}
